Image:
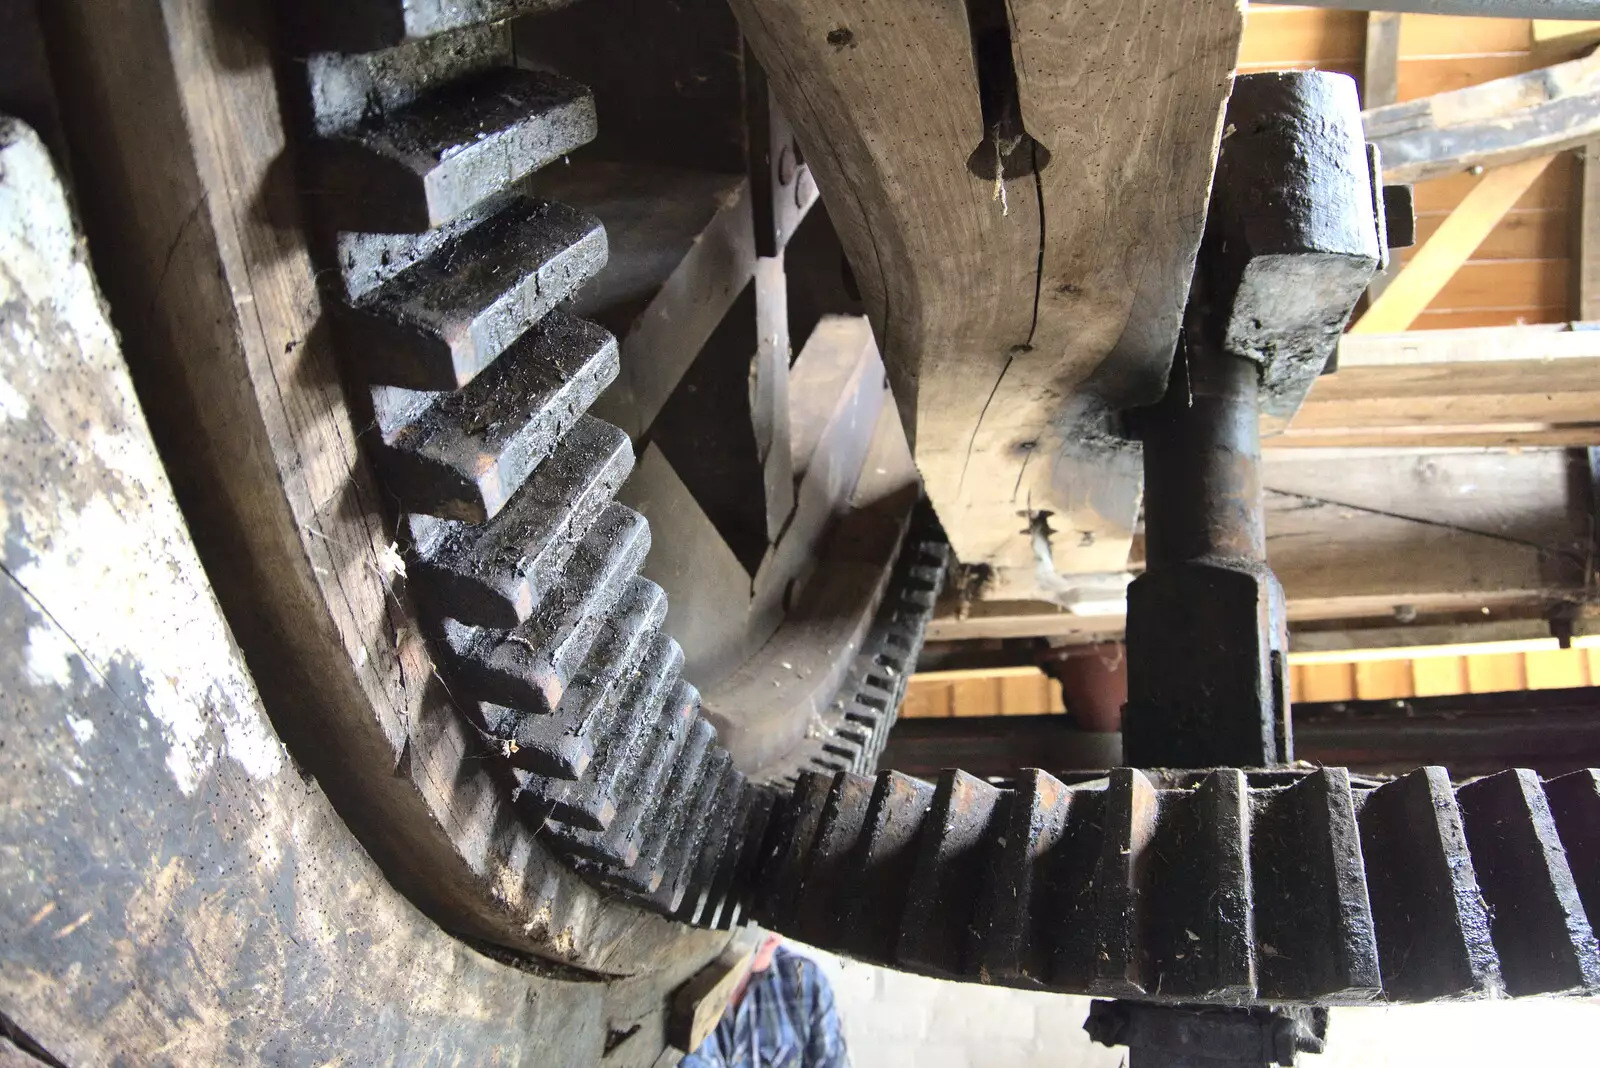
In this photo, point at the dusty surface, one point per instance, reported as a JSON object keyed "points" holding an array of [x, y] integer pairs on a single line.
{"points": [[171, 890]]}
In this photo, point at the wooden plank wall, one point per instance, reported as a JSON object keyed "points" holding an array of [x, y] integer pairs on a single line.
{"points": [[1522, 273], [1026, 691], [1020, 691], [1437, 676]]}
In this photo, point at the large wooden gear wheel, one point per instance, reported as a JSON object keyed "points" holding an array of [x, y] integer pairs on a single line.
{"points": [[432, 372]]}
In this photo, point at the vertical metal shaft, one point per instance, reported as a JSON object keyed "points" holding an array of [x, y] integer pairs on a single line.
{"points": [[1206, 633], [1202, 464]]}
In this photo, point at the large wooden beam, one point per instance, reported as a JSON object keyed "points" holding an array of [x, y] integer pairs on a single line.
{"points": [[164, 860], [1489, 125], [1527, 385], [998, 298], [1354, 536], [1413, 288]]}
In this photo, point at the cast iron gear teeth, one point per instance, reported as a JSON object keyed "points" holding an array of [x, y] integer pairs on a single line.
{"points": [[855, 727], [452, 280], [1217, 887]]}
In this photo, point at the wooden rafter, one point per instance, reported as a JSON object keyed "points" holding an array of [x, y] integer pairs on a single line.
{"points": [[1497, 386], [1489, 125]]}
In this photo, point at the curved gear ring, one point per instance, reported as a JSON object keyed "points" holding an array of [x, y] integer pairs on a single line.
{"points": [[524, 566], [1218, 887]]}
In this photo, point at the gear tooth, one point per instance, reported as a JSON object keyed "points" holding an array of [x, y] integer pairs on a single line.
{"points": [[1008, 944], [560, 745], [345, 88], [1067, 928], [465, 455], [671, 808], [698, 908], [1427, 912], [1314, 936], [1536, 918], [423, 165], [775, 849], [673, 705], [732, 885], [623, 748], [679, 712], [845, 749], [852, 734], [541, 745], [882, 864], [717, 913], [786, 867], [821, 890], [1575, 805], [1195, 935], [1130, 823], [763, 822], [954, 852], [668, 893], [534, 799], [497, 573], [531, 665], [442, 321], [367, 25]]}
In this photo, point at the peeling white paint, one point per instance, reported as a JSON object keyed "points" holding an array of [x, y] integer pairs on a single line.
{"points": [[48, 656], [137, 594], [106, 552], [13, 405]]}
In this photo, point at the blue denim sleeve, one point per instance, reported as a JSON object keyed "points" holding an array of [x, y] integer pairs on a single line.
{"points": [[825, 1046], [704, 1057]]}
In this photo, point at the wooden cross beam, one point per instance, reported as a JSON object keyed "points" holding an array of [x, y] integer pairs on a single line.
{"points": [[1488, 386], [1489, 125], [1015, 305]]}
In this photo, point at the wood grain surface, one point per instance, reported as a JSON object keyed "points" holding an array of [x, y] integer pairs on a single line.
{"points": [[189, 197], [1011, 312]]}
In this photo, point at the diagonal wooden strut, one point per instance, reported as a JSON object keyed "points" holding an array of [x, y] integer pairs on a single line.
{"points": [[1432, 265]]}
